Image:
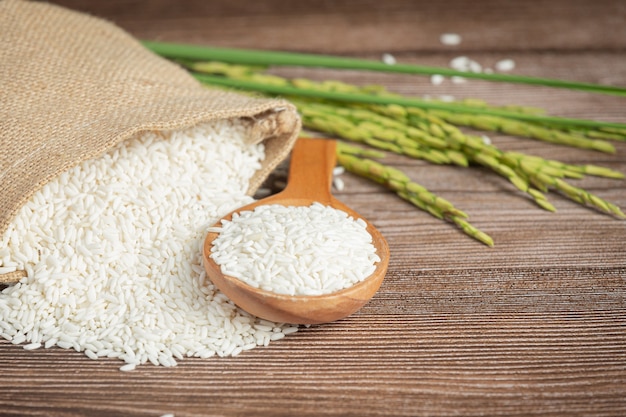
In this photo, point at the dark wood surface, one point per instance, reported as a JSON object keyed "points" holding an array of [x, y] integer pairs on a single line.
{"points": [[534, 326]]}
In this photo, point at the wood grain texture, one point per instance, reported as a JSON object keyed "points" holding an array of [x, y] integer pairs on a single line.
{"points": [[535, 326]]}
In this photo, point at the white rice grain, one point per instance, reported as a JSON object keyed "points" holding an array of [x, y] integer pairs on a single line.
{"points": [[338, 184], [450, 39], [437, 79], [308, 250], [112, 251], [128, 367], [505, 65], [465, 64], [388, 59]]}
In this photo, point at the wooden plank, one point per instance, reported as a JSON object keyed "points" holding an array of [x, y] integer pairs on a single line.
{"points": [[356, 26], [534, 326]]}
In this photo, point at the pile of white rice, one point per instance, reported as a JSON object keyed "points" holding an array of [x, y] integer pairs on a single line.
{"points": [[304, 250], [112, 249]]}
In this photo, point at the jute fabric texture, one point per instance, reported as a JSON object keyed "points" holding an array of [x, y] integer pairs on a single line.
{"points": [[72, 86]]}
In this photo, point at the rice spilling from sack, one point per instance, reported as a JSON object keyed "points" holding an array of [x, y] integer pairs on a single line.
{"points": [[112, 251], [295, 250]]}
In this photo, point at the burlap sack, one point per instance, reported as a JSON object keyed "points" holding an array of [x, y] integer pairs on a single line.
{"points": [[72, 86]]}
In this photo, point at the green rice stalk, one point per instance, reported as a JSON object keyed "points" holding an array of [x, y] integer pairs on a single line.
{"points": [[524, 129], [544, 181], [291, 90], [469, 112], [529, 174], [600, 134], [615, 131], [557, 134], [259, 57], [561, 169], [605, 133], [375, 131], [422, 133], [348, 149], [586, 198], [412, 192]]}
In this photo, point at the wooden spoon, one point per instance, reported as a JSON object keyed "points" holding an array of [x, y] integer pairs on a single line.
{"points": [[310, 180]]}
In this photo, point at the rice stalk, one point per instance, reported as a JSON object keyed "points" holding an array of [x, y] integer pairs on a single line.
{"points": [[432, 133], [290, 90], [276, 58], [353, 161]]}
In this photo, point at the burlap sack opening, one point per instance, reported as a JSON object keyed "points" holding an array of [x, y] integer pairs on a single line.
{"points": [[73, 86]]}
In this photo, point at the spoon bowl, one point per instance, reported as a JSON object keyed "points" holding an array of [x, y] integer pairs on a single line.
{"points": [[310, 179]]}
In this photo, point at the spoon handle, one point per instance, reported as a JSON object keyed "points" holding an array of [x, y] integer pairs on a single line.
{"points": [[311, 170]]}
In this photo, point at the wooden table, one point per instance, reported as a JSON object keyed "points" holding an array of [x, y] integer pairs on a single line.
{"points": [[534, 326]]}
